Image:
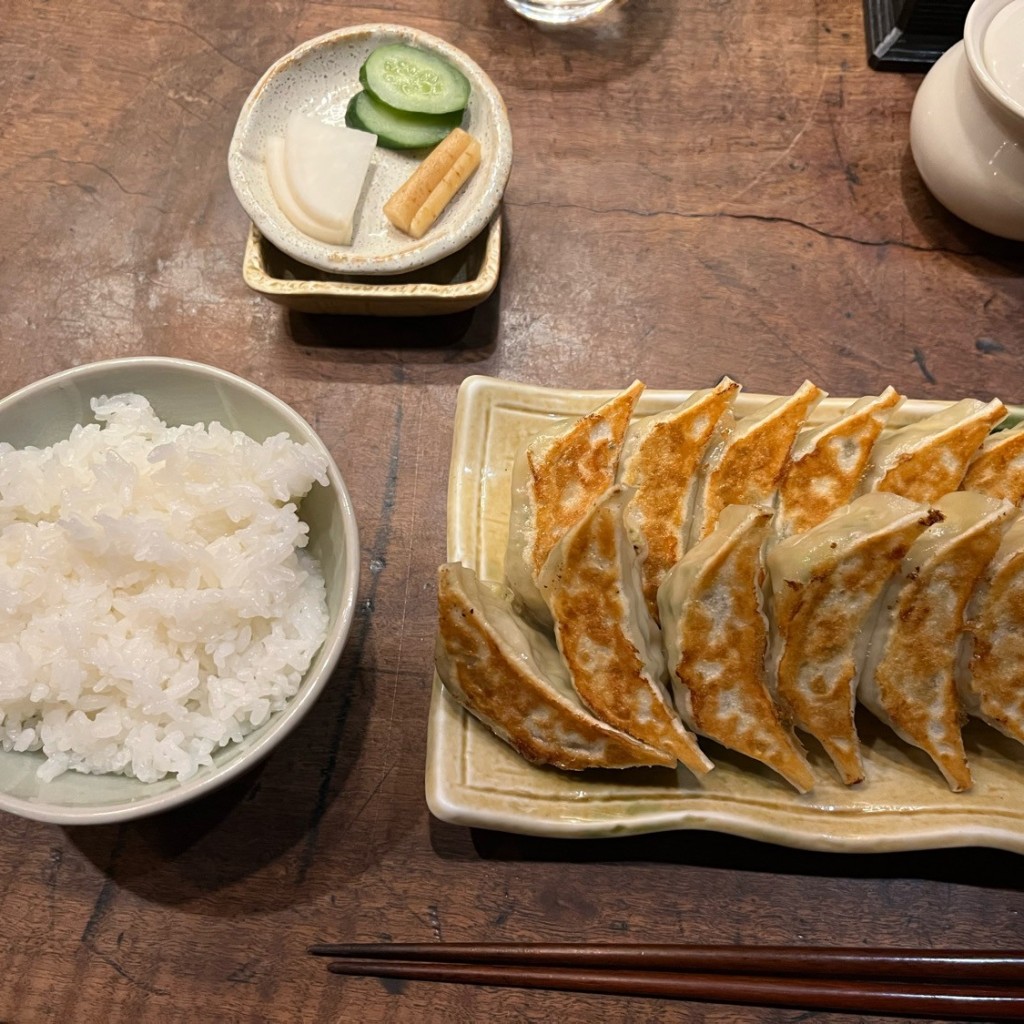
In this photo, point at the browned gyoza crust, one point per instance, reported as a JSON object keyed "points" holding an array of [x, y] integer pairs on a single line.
{"points": [[818, 619], [749, 468], [992, 681], [937, 465], [660, 461], [912, 683], [718, 665], [598, 633], [826, 477], [568, 475], [555, 480], [997, 468], [498, 686]]}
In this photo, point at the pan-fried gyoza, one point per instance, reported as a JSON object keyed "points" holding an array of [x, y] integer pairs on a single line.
{"points": [[863, 598], [660, 459], [510, 676], [715, 636], [555, 480], [609, 641], [825, 584], [997, 468], [990, 676], [827, 462], [927, 459], [908, 675], [748, 457]]}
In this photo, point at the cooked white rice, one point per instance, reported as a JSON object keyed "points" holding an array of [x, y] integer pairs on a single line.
{"points": [[155, 600]]}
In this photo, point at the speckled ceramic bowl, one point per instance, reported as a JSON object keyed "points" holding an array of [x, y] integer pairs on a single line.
{"points": [[322, 75], [181, 392]]}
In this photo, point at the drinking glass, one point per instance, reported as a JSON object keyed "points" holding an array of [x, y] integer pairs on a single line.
{"points": [[558, 12]]}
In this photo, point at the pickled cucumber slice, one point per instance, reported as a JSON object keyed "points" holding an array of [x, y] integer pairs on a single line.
{"points": [[398, 129], [414, 80]]}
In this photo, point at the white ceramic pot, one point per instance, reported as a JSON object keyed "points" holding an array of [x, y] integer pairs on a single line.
{"points": [[967, 125]]}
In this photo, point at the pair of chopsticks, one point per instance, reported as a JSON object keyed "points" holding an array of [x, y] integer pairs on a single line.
{"points": [[960, 984]]}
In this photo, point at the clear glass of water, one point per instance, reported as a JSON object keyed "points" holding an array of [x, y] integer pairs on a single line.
{"points": [[558, 12]]}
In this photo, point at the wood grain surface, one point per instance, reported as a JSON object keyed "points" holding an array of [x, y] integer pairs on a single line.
{"points": [[698, 189]]}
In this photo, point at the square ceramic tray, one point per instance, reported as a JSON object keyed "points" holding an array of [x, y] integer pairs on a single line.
{"points": [[457, 282], [475, 779]]}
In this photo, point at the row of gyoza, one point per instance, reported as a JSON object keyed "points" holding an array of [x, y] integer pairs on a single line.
{"points": [[792, 571]]}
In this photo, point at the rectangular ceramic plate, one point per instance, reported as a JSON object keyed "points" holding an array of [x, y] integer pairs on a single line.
{"points": [[458, 282], [474, 779]]}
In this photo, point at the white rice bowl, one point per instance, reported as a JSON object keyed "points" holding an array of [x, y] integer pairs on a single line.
{"points": [[164, 616]]}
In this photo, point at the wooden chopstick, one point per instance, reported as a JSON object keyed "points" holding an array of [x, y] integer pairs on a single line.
{"points": [[973, 966], [959, 1002], [958, 984]]}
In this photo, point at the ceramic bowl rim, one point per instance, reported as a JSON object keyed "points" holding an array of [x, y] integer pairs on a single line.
{"points": [[979, 17]]}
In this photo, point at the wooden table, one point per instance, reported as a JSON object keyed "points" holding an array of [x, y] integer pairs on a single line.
{"points": [[698, 189]]}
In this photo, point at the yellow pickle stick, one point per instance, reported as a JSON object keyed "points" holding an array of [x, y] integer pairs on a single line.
{"points": [[420, 201]]}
